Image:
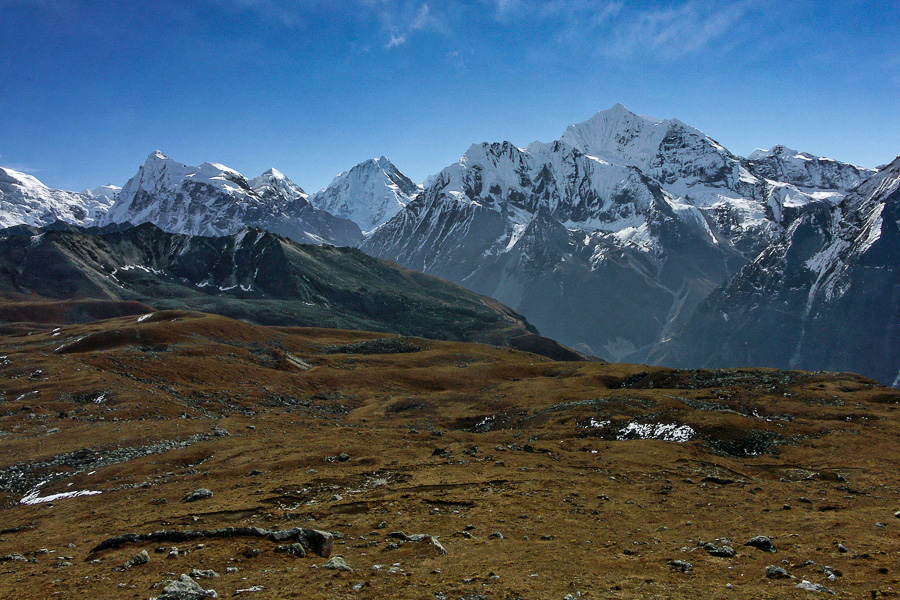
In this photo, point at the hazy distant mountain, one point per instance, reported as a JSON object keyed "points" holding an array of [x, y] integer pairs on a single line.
{"points": [[606, 239], [214, 200], [826, 295], [24, 200], [369, 194]]}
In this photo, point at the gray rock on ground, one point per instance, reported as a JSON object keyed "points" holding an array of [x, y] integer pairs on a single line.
{"points": [[203, 574], [293, 549], [141, 558], [337, 563], [813, 587], [680, 565], [14, 557], [419, 537], [200, 494], [763, 543], [776, 572], [185, 588], [722, 551]]}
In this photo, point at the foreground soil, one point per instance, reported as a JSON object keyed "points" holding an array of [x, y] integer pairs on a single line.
{"points": [[531, 473]]}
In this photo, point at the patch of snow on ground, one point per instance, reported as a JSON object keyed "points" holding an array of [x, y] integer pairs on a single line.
{"points": [[143, 318], [139, 267], [656, 431], [33, 496]]}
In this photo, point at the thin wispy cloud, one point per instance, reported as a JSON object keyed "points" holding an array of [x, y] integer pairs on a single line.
{"points": [[397, 21], [396, 40], [619, 29], [424, 20], [677, 31], [401, 20]]}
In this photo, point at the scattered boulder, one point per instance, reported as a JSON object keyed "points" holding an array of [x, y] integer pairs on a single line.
{"points": [[293, 549], [830, 572], [14, 557], [200, 494], [496, 535], [319, 542], [141, 558], [763, 543], [842, 549], [813, 587], [204, 574], [680, 565], [776, 572], [185, 588], [723, 551], [419, 537], [337, 563], [437, 545], [249, 590]]}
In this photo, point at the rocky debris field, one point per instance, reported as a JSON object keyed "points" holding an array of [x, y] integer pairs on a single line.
{"points": [[180, 455]]}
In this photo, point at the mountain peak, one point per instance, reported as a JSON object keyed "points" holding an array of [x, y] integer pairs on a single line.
{"points": [[278, 181], [776, 150], [20, 179], [274, 174], [369, 194], [157, 155], [616, 134]]}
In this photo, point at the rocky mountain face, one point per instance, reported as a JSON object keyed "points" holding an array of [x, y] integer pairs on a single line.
{"points": [[806, 170], [369, 194], [25, 200], [825, 295], [608, 238], [259, 277], [213, 200]]}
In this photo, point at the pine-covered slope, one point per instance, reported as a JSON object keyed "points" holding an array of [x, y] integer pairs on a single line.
{"points": [[369, 194], [214, 200], [826, 295]]}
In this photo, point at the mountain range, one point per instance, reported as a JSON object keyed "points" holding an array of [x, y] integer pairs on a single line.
{"points": [[624, 225], [827, 292], [617, 239], [256, 276]]}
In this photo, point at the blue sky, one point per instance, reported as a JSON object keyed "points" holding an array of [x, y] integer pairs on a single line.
{"points": [[89, 88]]}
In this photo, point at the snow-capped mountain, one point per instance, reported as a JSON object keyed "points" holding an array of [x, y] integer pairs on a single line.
{"points": [[214, 200], [24, 200], [807, 171], [273, 183], [369, 194], [105, 194], [606, 239], [826, 295]]}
